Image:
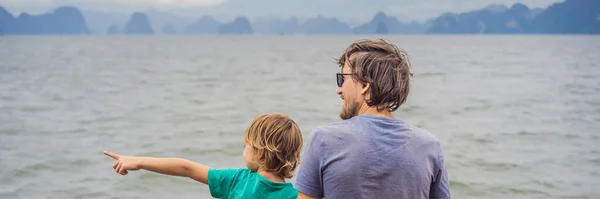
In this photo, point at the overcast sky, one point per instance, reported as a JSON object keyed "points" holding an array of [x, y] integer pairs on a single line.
{"points": [[345, 9]]}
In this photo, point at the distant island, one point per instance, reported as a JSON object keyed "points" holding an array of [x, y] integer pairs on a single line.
{"points": [[63, 20], [138, 24], [568, 17]]}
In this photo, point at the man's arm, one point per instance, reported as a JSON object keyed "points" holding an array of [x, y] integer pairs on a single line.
{"points": [[440, 188], [167, 166], [308, 180]]}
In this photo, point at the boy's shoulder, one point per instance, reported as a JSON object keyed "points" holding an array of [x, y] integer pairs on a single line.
{"points": [[244, 183], [228, 172], [222, 180]]}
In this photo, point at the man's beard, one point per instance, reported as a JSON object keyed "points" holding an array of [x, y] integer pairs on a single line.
{"points": [[350, 111]]}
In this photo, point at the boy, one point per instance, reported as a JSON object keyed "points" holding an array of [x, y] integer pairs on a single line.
{"points": [[272, 152]]}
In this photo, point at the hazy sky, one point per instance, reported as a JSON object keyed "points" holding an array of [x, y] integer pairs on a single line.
{"points": [[346, 9]]}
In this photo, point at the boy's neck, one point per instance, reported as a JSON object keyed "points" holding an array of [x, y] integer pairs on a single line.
{"points": [[273, 177]]}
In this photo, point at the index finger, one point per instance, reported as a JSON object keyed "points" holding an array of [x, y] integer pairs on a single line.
{"points": [[112, 155]]}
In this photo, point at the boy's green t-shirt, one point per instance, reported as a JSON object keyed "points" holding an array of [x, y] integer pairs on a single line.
{"points": [[243, 183]]}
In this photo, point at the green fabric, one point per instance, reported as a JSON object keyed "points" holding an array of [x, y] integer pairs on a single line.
{"points": [[242, 183]]}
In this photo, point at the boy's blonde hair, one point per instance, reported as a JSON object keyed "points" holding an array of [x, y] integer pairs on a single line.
{"points": [[276, 143]]}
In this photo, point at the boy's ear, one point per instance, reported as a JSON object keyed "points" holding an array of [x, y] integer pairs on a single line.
{"points": [[259, 157]]}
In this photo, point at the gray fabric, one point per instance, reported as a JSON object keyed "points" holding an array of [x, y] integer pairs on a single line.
{"points": [[372, 157]]}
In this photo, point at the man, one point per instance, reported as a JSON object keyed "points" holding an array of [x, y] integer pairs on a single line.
{"points": [[370, 154]]}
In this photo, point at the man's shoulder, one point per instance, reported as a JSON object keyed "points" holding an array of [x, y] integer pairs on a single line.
{"points": [[423, 134], [427, 139], [336, 128]]}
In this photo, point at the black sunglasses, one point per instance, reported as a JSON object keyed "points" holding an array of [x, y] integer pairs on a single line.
{"points": [[340, 78]]}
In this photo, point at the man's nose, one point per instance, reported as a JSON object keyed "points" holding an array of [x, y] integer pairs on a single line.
{"points": [[339, 91]]}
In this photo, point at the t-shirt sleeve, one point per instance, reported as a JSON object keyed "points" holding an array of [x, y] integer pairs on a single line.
{"points": [[440, 188], [309, 177], [222, 181]]}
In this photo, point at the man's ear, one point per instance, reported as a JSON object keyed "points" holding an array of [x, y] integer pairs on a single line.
{"points": [[366, 87]]}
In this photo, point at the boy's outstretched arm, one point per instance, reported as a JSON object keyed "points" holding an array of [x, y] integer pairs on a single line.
{"points": [[168, 166]]}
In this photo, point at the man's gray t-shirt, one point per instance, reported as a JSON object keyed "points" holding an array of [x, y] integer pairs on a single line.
{"points": [[372, 157]]}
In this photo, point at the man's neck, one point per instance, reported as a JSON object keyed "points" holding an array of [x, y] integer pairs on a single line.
{"points": [[365, 109]]}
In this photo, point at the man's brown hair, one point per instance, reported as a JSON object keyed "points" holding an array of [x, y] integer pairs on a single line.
{"points": [[276, 142], [385, 67]]}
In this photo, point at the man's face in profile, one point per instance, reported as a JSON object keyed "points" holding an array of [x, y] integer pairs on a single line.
{"points": [[349, 91]]}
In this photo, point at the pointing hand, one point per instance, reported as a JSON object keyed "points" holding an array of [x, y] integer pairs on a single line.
{"points": [[125, 163]]}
